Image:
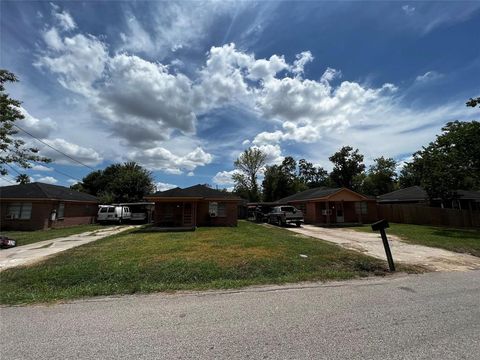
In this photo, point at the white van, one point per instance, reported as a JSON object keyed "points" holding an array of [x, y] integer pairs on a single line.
{"points": [[110, 213]]}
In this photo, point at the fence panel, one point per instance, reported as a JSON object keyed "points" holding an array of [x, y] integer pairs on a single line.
{"points": [[424, 215]]}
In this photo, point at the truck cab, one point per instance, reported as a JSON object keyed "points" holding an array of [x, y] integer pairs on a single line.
{"points": [[284, 215]]}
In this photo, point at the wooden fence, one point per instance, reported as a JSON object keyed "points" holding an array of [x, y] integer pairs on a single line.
{"points": [[424, 215]]}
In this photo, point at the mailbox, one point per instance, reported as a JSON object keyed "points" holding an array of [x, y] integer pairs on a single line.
{"points": [[382, 224]]}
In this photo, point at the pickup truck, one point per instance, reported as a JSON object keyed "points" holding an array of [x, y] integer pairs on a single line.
{"points": [[283, 215]]}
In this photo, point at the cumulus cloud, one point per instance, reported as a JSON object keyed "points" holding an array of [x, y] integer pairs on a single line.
{"points": [[85, 155], [39, 167], [224, 177], [159, 158], [38, 128], [47, 180], [164, 186]]}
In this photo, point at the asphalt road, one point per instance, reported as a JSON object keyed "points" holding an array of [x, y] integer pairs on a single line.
{"points": [[431, 316]]}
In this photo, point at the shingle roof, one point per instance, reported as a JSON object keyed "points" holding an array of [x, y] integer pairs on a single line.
{"points": [[196, 191], [412, 193], [314, 193], [416, 193], [39, 190]]}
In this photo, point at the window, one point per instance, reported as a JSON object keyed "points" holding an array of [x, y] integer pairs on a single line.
{"points": [[222, 210], [361, 208], [111, 209], [103, 210], [289, 209], [21, 211], [217, 209], [61, 210]]}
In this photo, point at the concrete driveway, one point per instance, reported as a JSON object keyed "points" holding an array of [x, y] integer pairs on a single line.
{"points": [[32, 253], [371, 244]]}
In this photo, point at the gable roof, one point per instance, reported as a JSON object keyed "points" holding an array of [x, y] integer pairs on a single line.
{"points": [[39, 190], [416, 193], [316, 193], [196, 192], [412, 193]]}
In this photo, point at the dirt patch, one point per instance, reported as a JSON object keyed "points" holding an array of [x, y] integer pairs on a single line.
{"points": [[371, 244]]}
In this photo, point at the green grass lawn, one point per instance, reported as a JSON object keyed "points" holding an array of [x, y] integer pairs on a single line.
{"points": [[29, 237], [459, 240], [207, 258]]}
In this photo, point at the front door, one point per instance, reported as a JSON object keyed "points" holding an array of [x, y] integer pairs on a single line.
{"points": [[339, 213], [187, 214]]}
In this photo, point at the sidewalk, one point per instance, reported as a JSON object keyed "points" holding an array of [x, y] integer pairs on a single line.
{"points": [[31, 253]]}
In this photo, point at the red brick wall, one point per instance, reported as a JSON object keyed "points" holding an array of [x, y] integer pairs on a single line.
{"points": [[75, 214]]}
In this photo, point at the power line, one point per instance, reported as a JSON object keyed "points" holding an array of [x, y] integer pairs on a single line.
{"points": [[58, 171], [4, 178], [51, 147]]}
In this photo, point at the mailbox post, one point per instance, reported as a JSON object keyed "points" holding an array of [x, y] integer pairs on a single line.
{"points": [[381, 226]]}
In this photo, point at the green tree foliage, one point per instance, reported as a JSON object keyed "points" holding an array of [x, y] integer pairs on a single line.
{"points": [[248, 165], [473, 102], [13, 149], [449, 163], [347, 167], [281, 180], [381, 177], [22, 179], [312, 176], [126, 182]]}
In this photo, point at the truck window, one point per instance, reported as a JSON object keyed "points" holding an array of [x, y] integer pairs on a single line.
{"points": [[287, 209]]}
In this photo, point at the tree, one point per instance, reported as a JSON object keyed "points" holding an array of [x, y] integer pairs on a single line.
{"points": [[248, 165], [22, 179], [381, 177], [473, 102], [312, 176], [347, 165], [281, 180], [449, 163], [13, 149], [126, 182]]}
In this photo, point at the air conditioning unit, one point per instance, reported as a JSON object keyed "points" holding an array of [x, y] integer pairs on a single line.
{"points": [[327, 212], [213, 214]]}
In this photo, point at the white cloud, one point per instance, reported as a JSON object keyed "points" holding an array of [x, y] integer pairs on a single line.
{"points": [[47, 180], [159, 158], [428, 77], [85, 155], [65, 21], [302, 59], [38, 167], [408, 9], [191, 173], [165, 186], [38, 128], [224, 177], [72, 181]]}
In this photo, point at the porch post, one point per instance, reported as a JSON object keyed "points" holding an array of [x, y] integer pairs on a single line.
{"points": [[328, 213]]}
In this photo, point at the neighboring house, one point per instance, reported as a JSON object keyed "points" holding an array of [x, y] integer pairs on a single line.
{"points": [[326, 206], [38, 206], [467, 200], [194, 206]]}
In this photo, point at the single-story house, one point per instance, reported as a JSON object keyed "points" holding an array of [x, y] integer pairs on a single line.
{"points": [[329, 206], [194, 206], [37, 206], [466, 200]]}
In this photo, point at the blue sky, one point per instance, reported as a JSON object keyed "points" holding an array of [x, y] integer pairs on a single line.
{"points": [[184, 87]]}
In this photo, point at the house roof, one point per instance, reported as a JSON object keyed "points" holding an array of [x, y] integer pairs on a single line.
{"points": [[315, 193], [416, 193], [412, 193], [39, 190], [196, 191]]}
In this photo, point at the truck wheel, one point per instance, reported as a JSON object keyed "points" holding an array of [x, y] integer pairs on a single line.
{"points": [[280, 221], [298, 224]]}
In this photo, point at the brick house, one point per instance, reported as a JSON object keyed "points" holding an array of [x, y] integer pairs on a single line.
{"points": [[38, 206], [330, 206], [194, 206]]}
